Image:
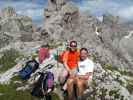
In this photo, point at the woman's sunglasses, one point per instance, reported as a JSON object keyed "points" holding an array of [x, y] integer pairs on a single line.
{"points": [[73, 45]]}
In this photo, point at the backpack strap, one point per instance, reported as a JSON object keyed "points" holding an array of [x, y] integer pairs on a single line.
{"points": [[78, 59], [42, 85], [47, 76]]}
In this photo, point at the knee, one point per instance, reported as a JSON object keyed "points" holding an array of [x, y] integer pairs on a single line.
{"points": [[65, 73], [80, 83], [70, 82], [62, 77]]}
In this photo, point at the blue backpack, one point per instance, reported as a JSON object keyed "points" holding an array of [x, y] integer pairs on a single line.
{"points": [[30, 67]]}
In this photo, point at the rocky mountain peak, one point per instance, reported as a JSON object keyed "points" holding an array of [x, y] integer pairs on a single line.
{"points": [[8, 12], [110, 19], [109, 44], [68, 23]]}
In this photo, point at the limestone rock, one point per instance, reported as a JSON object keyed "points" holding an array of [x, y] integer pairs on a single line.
{"points": [[11, 22], [57, 22], [125, 46], [70, 15], [105, 87], [26, 37], [11, 25], [110, 19], [36, 36], [55, 4], [5, 39], [15, 26], [27, 23], [8, 12]]}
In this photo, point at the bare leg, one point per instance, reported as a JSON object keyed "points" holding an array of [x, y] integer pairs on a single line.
{"points": [[81, 84], [64, 86], [62, 78], [70, 83]]}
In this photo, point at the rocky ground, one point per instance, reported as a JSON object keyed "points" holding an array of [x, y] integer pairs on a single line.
{"points": [[109, 43]]}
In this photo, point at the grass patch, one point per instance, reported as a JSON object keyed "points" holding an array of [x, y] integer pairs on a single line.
{"points": [[55, 96], [16, 78], [8, 59], [9, 92]]}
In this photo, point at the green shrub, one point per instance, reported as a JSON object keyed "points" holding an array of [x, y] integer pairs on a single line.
{"points": [[8, 59]]}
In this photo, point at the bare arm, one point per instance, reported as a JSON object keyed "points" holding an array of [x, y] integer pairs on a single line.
{"points": [[66, 66]]}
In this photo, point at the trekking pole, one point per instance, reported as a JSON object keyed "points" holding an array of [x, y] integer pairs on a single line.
{"points": [[57, 58], [49, 66]]}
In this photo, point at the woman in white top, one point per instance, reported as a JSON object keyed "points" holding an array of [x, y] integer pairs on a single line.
{"points": [[84, 73]]}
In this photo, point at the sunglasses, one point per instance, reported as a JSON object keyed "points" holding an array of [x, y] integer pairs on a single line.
{"points": [[73, 46]]}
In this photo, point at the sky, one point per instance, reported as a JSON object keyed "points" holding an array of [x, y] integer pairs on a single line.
{"points": [[34, 8]]}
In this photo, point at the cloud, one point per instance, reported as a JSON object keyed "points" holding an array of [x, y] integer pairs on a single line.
{"points": [[122, 8], [126, 13], [99, 7]]}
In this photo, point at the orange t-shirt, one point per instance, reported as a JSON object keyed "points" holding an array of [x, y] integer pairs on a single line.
{"points": [[71, 58]]}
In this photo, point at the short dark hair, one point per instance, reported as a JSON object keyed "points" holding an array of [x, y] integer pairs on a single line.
{"points": [[85, 49], [71, 42]]}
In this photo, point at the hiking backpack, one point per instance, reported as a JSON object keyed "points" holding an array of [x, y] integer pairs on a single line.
{"points": [[30, 67], [45, 81]]}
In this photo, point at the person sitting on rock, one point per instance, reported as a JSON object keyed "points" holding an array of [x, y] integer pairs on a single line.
{"points": [[83, 75], [70, 60]]}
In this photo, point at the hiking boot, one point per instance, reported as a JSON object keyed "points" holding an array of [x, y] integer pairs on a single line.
{"points": [[79, 98], [65, 93], [48, 97]]}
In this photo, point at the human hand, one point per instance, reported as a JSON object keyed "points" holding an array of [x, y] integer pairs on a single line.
{"points": [[72, 76], [85, 77]]}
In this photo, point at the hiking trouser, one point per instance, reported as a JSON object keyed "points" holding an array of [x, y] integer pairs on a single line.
{"points": [[63, 76]]}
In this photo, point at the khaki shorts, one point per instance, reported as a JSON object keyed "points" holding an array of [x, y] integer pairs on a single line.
{"points": [[73, 71]]}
